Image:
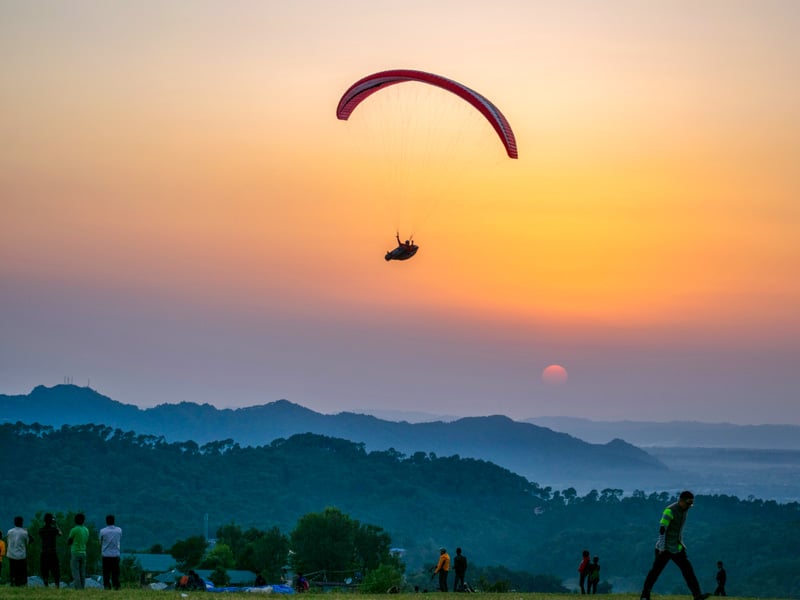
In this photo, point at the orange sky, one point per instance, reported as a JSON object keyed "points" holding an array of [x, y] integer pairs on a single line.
{"points": [[175, 173]]}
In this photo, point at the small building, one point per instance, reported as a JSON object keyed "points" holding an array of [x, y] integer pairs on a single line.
{"points": [[168, 577], [237, 578], [152, 563]]}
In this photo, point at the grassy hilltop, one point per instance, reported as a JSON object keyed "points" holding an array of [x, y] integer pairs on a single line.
{"points": [[143, 594]]}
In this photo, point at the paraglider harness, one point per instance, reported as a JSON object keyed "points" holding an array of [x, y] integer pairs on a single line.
{"points": [[404, 250]]}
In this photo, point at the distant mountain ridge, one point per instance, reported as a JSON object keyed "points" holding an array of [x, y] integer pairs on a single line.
{"points": [[677, 434], [535, 452]]}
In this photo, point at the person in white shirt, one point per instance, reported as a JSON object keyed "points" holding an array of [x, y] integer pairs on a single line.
{"points": [[110, 538], [17, 540]]}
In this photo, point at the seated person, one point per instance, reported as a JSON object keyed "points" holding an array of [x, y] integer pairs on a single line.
{"points": [[302, 583]]}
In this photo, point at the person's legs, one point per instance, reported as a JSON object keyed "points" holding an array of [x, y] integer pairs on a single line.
{"points": [[82, 571], [106, 573], [48, 563], [12, 572], [115, 560], [688, 573], [78, 566], [44, 567], [18, 572], [55, 570], [660, 561], [582, 583], [73, 567], [442, 580]]}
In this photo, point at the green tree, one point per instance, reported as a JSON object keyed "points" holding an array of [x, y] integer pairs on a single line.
{"points": [[267, 554], [381, 580], [189, 552], [233, 536], [130, 572], [492, 587], [219, 577], [324, 542], [220, 556], [331, 541], [372, 545]]}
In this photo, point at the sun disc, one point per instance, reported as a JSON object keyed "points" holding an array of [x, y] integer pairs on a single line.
{"points": [[554, 375]]}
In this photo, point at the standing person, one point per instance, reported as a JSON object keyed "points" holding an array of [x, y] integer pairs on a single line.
{"points": [[18, 542], [48, 560], [593, 575], [670, 547], [110, 538], [460, 567], [442, 568], [722, 578], [582, 570], [77, 540]]}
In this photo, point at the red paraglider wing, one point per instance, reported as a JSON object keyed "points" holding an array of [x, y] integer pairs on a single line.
{"points": [[365, 87]]}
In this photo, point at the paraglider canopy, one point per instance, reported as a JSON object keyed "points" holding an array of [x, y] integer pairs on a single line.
{"points": [[365, 87], [477, 105]]}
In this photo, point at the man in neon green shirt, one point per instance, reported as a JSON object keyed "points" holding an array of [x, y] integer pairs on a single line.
{"points": [[670, 547], [77, 540]]}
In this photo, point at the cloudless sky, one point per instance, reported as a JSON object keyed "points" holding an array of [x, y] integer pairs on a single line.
{"points": [[182, 217]]}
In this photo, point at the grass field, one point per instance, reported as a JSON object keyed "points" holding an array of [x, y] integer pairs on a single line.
{"points": [[143, 594]]}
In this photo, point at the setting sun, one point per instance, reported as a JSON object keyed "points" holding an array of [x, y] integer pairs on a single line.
{"points": [[554, 375]]}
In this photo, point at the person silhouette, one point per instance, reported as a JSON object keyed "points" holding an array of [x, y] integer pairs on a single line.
{"points": [[722, 578], [669, 547], [582, 570]]}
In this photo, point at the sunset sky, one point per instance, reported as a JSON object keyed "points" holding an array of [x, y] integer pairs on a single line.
{"points": [[183, 218]]}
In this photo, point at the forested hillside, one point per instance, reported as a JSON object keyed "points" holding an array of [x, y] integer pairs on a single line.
{"points": [[534, 452], [160, 492]]}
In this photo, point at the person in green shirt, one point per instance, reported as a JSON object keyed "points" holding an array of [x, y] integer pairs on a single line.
{"points": [[670, 547], [77, 540]]}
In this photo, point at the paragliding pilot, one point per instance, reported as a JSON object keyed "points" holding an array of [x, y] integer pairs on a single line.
{"points": [[404, 250]]}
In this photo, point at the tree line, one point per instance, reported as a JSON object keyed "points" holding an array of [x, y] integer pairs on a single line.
{"points": [[161, 491]]}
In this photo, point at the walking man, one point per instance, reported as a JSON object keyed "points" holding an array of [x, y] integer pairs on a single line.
{"points": [[670, 547]]}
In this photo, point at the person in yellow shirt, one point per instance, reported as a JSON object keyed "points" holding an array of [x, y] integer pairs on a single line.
{"points": [[442, 568]]}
